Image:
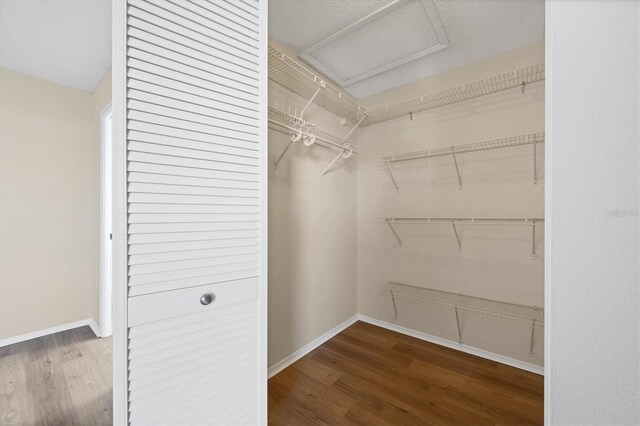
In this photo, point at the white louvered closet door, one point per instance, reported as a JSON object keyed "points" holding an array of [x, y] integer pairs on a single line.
{"points": [[194, 103]]}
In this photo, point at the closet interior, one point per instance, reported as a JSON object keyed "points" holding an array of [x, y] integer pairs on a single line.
{"points": [[419, 209]]}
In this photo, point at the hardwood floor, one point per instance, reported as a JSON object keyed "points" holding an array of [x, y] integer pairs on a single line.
{"points": [[60, 379], [365, 375], [372, 376]]}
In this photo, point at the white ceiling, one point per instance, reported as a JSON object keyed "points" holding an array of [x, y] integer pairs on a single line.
{"points": [[64, 41], [476, 29]]}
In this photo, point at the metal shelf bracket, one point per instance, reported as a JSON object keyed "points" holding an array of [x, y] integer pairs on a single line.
{"points": [[535, 163], [281, 156], [455, 231], [533, 330], [346, 153], [455, 162], [458, 324], [394, 232], [310, 101], [533, 239], [353, 129], [395, 309], [393, 179]]}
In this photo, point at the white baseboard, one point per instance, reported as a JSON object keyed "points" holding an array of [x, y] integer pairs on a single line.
{"points": [[455, 345], [281, 365], [57, 329], [95, 328]]}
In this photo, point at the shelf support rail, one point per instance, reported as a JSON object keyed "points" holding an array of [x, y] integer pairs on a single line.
{"points": [[394, 231]]}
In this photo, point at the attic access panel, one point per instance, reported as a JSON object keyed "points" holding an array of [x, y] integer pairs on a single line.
{"points": [[396, 34]]}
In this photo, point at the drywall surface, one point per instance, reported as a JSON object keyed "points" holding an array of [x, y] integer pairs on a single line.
{"points": [[312, 235], [47, 204], [495, 261], [593, 356], [101, 98]]}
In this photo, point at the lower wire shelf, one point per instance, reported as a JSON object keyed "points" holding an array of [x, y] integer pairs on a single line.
{"points": [[530, 316]]}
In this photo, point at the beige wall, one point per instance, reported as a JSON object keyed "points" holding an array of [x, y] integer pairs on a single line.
{"points": [[49, 211], [312, 235], [494, 262]]}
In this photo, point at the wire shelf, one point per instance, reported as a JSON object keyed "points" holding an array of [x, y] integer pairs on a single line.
{"points": [[488, 308], [455, 222], [498, 83], [288, 123], [536, 221], [531, 139], [466, 148], [301, 80]]}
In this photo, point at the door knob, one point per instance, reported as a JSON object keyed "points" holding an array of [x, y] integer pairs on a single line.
{"points": [[207, 298]]}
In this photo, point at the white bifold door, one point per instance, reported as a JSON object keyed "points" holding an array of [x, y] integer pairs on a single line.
{"points": [[189, 85]]}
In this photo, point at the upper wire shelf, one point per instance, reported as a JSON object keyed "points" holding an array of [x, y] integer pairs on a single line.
{"points": [[310, 134], [454, 150], [498, 83], [301, 80], [531, 316]]}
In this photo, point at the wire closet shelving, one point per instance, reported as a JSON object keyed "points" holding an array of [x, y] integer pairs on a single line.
{"points": [[454, 150], [310, 134], [456, 222], [515, 79], [299, 79], [531, 316]]}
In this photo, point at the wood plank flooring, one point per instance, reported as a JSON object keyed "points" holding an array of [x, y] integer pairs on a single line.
{"points": [[368, 375], [60, 379]]}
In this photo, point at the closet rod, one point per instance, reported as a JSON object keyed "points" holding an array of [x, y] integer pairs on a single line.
{"points": [[299, 129], [286, 129]]}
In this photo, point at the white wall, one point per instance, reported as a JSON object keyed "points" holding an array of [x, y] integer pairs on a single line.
{"points": [[495, 262], [592, 358], [312, 235]]}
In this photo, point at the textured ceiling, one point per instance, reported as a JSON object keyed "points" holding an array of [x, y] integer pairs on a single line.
{"points": [[334, 55], [476, 29], [64, 41]]}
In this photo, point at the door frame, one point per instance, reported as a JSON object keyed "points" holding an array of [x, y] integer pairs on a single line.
{"points": [[119, 243], [106, 216]]}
